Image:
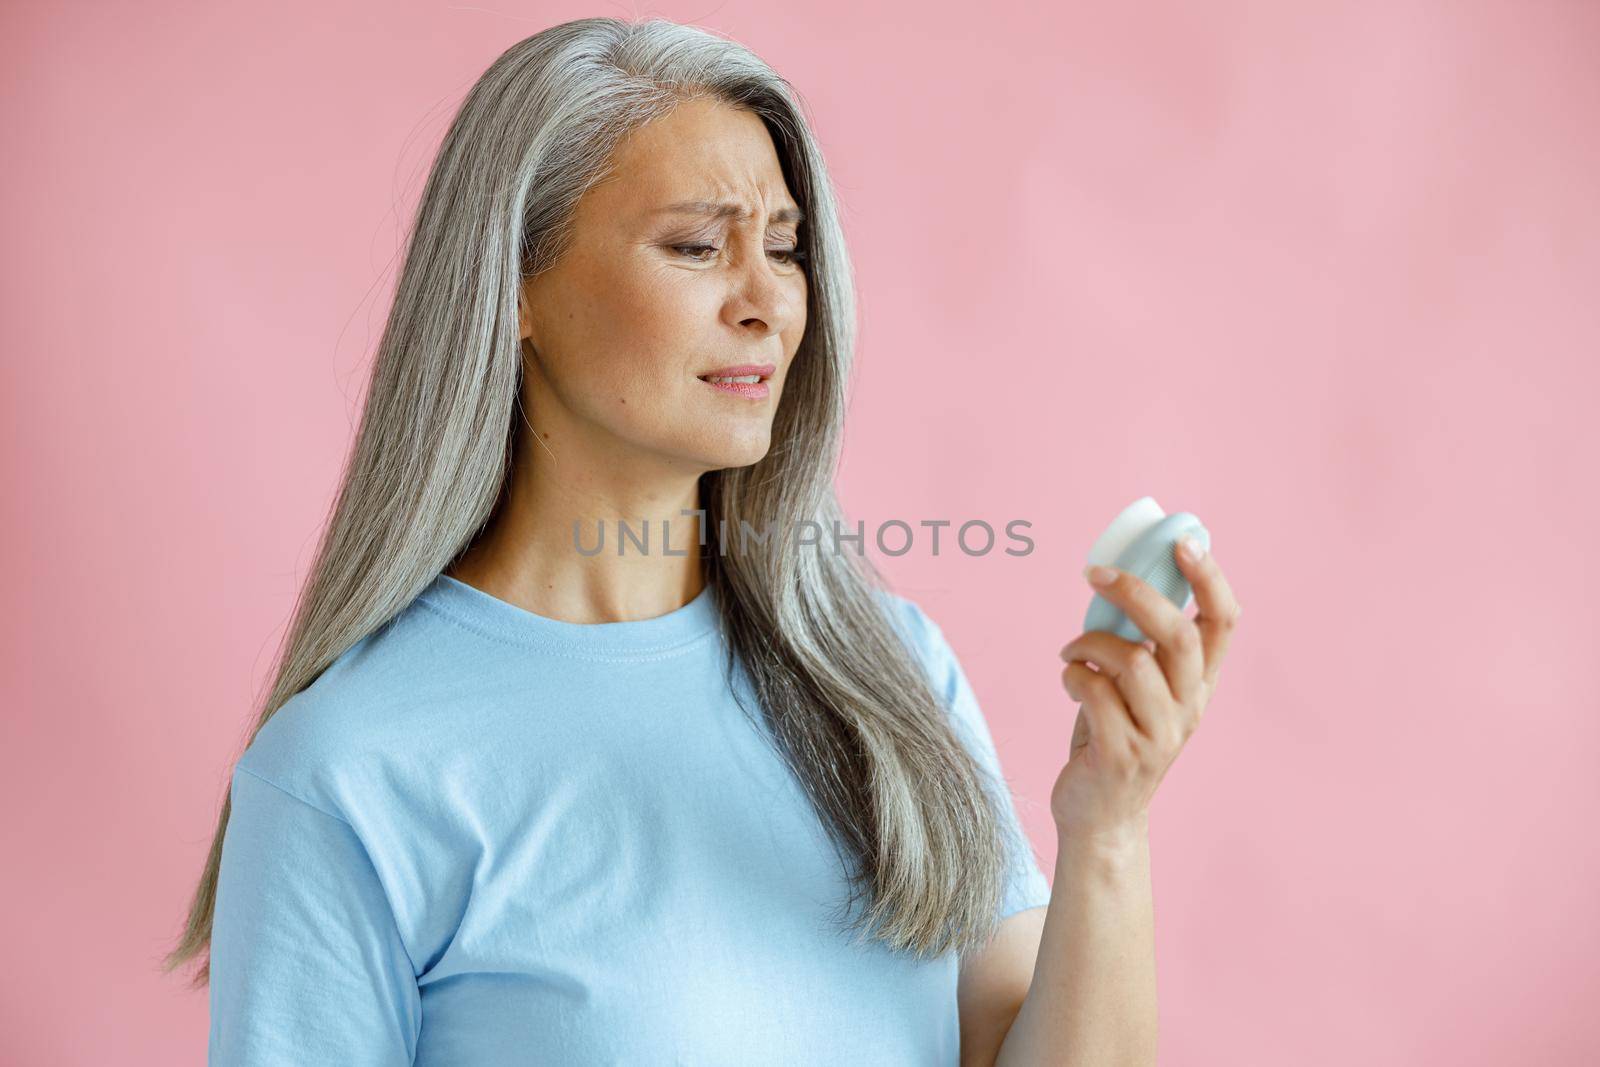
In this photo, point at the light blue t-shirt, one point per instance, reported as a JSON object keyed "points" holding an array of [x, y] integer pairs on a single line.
{"points": [[487, 837]]}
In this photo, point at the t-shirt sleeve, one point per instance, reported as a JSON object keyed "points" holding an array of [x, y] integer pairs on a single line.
{"points": [[307, 964], [1026, 886]]}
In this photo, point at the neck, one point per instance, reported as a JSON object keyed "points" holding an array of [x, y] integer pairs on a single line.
{"points": [[528, 556]]}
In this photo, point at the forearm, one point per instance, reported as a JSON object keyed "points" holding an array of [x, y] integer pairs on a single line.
{"points": [[1093, 996]]}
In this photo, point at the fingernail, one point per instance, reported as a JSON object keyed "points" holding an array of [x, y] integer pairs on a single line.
{"points": [[1100, 576], [1191, 549]]}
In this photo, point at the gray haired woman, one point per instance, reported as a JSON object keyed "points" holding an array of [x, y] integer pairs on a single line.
{"points": [[699, 791]]}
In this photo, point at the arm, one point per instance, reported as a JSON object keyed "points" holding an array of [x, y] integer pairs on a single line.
{"points": [[307, 965], [1093, 995], [993, 984], [1092, 998]]}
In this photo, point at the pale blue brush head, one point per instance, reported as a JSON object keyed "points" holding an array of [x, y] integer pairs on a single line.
{"points": [[1142, 541]]}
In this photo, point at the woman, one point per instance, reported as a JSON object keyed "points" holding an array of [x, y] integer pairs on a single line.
{"points": [[701, 798]]}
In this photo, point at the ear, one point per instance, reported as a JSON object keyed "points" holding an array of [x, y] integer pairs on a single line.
{"points": [[524, 312]]}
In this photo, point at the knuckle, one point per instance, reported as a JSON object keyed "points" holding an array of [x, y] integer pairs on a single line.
{"points": [[1140, 659], [1070, 682]]}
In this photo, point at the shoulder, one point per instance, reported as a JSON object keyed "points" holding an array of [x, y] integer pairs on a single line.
{"points": [[924, 637], [944, 671], [361, 712], [908, 616]]}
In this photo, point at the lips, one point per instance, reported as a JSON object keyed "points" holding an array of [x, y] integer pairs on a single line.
{"points": [[759, 371]]}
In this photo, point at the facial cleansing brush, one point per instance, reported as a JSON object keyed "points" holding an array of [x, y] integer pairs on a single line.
{"points": [[1141, 541]]}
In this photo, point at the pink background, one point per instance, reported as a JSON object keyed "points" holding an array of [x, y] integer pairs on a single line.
{"points": [[1324, 274]]}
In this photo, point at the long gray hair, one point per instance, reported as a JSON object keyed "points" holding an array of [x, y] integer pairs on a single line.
{"points": [[910, 811]]}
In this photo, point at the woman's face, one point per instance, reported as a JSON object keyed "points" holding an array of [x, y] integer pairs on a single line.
{"points": [[649, 299]]}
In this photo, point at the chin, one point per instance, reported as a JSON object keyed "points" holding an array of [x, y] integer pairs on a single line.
{"points": [[742, 458], [736, 453]]}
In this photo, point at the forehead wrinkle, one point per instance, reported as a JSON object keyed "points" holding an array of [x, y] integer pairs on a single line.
{"points": [[722, 209]]}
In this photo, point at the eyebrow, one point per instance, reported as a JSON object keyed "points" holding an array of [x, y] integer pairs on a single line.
{"points": [[722, 209]]}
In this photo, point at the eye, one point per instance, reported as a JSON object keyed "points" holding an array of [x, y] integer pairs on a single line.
{"points": [[791, 256]]}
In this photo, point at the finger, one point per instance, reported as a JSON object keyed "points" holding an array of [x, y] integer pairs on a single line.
{"points": [[1111, 728], [1141, 683], [1080, 731], [1218, 609], [1100, 722], [1179, 651]]}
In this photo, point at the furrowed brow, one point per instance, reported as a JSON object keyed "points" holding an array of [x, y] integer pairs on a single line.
{"points": [[724, 210]]}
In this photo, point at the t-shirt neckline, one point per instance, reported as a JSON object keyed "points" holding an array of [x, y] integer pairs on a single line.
{"points": [[632, 639]]}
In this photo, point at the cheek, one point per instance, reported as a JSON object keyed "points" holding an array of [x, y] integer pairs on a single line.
{"points": [[634, 369], [797, 324], [630, 336]]}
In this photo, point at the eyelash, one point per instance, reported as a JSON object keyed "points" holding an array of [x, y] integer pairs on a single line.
{"points": [[797, 257]]}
